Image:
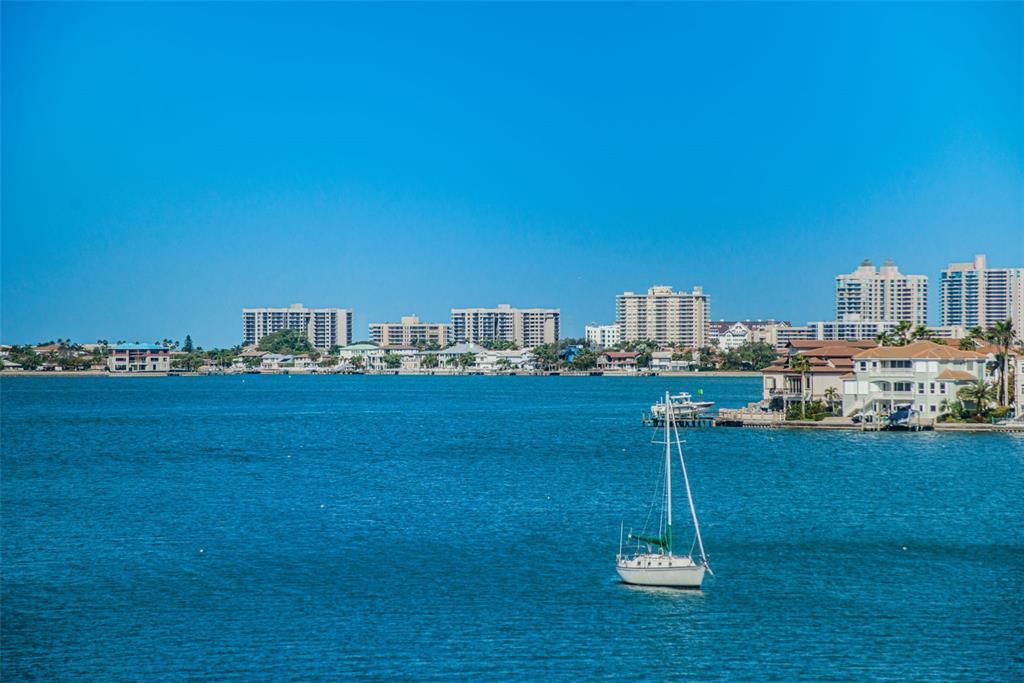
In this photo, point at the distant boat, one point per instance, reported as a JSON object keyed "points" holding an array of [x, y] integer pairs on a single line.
{"points": [[654, 563], [683, 406]]}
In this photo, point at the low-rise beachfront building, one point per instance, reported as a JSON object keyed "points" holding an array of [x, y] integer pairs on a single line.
{"points": [[921, 374], [602, 336], [137, 357], [408, 332], [783, 382], [618, 360], [673, 361]]}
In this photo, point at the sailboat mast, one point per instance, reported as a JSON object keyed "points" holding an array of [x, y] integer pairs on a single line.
{"points": [[689, 498], [669, 422]]}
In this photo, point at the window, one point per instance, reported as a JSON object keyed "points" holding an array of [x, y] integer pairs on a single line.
{"points": [[902, 387], [920, 387], [942, 388], [933, 409], [931, 388]]}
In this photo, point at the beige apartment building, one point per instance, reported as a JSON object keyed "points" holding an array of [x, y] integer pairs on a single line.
{"points": [[974, 295], [881, 295], [667, 317], [409, 332], [325, 327], [527, 327]]}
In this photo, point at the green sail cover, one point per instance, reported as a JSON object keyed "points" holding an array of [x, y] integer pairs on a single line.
{"points": [[662, 542]]}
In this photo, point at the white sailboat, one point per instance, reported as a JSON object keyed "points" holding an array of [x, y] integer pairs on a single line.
{"points": [[654, 563]]}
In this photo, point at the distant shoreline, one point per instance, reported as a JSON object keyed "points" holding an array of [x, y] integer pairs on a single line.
{"points": [[101, 373]]}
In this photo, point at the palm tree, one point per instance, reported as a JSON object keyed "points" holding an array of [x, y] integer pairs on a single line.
{"points": [[831, 397], [979, 393], [1001, 334], [883, 338], [799, 363], [946, 407], [466, 359], [901, 333], [967, 343]]}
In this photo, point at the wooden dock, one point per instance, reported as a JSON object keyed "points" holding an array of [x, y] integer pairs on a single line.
{"points": [[682, 422]]}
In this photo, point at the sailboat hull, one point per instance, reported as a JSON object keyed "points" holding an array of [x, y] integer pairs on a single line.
{"points": [[677, 572]]}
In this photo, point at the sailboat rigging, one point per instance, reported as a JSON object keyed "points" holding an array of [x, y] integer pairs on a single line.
{"points": [[658, 565]]}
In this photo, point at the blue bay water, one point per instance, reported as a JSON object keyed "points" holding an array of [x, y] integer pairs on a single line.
{"points": [[256, 528]]}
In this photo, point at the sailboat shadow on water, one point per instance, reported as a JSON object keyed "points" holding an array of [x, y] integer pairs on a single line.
{"points": [[653, 563]]}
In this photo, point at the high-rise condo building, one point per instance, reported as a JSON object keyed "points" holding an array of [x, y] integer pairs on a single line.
{"points": [[324, 327], [974, 295], [408, 332], [882, 294], [664, 316], [527, 327], [603, 336]]}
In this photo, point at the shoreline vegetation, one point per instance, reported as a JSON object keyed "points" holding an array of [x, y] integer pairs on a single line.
{"points": [[379, 373]]}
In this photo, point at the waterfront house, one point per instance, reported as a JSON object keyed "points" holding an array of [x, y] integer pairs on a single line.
{"points": [[449, 358], [46, 349], [921, 374], [137, 357], [782, 384], [346, 354], [498, 361], [729, 335], [618, 360], [669, 361], [275, 362], [376, 360]]}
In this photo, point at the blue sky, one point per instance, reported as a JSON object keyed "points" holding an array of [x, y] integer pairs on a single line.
{"points": [[164, 165]]}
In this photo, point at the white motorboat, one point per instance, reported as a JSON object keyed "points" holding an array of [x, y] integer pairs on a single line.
{"points": [[654, 563], [683, 406]]}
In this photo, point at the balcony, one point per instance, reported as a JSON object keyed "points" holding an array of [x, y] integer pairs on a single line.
{"points": [[785, 393]]}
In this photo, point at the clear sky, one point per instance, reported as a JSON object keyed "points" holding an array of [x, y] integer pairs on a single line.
{"points": [[165, 165]]}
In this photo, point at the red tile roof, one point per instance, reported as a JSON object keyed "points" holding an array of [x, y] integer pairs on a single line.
{"points": [[920, 350]]}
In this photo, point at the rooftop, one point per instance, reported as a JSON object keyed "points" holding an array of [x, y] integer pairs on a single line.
{"points": [[136, 346], [920, 350], [957, 374]]}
